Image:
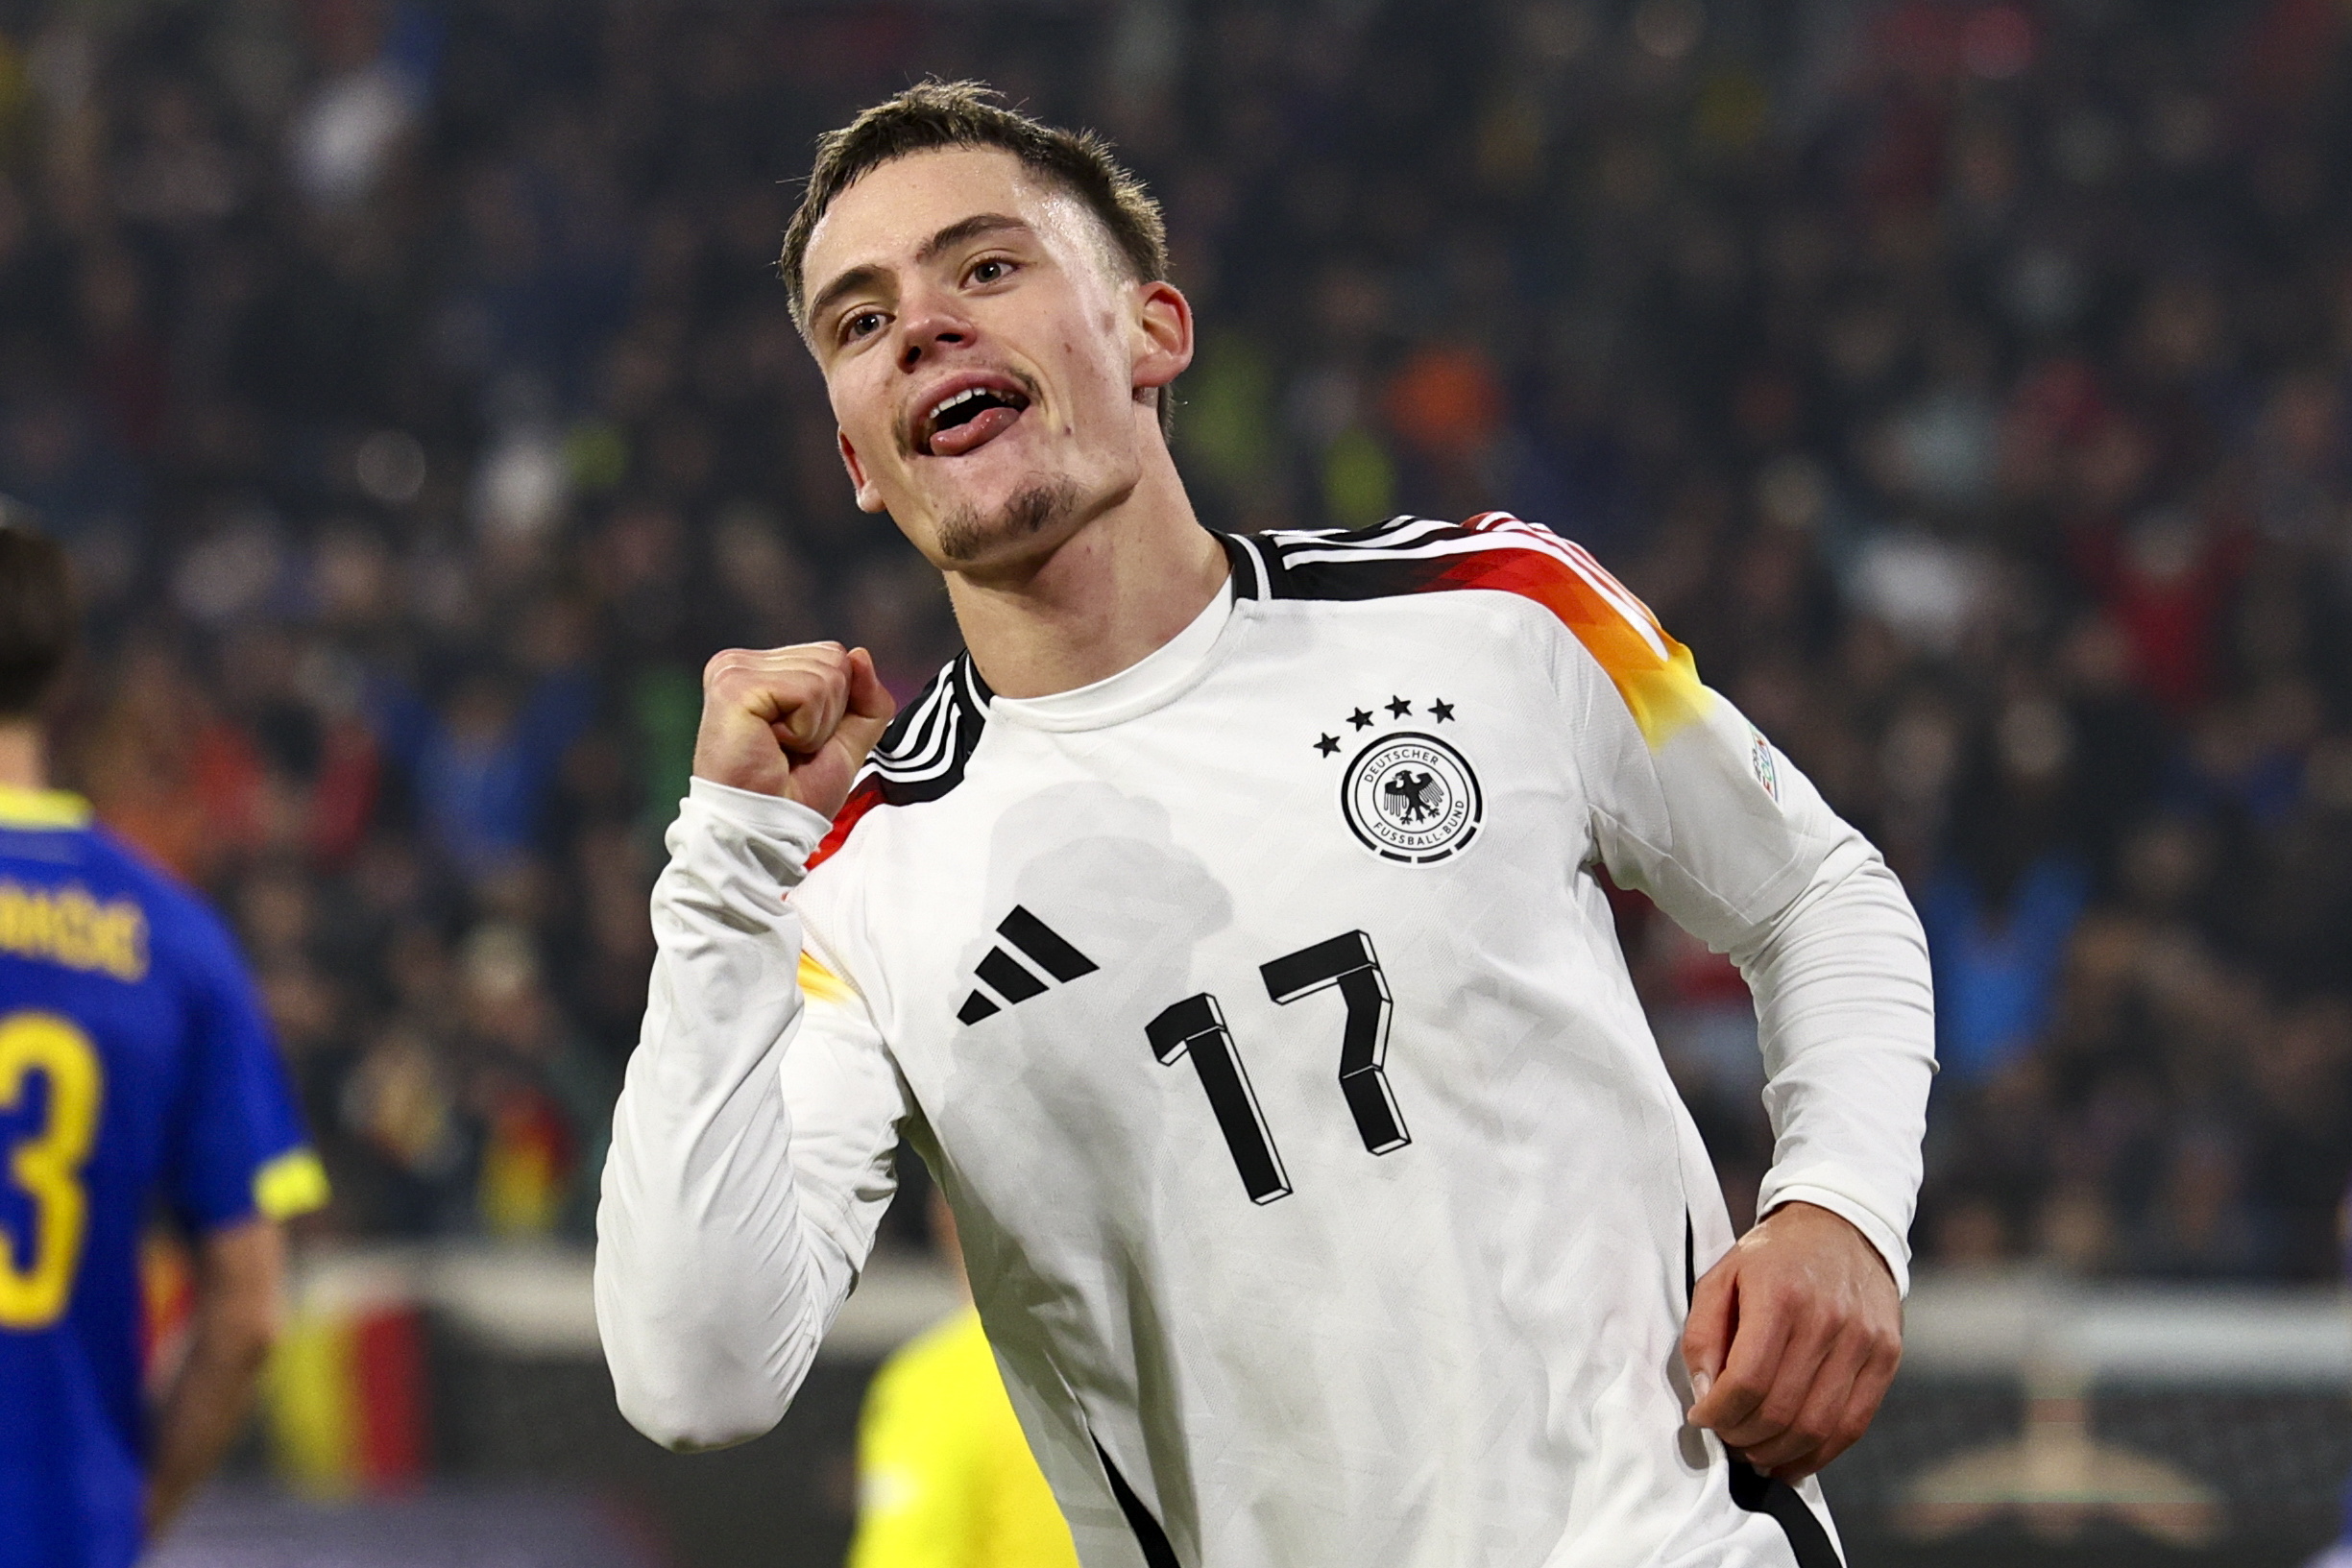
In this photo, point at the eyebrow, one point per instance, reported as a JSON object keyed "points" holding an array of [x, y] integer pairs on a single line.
{"points": [[962, 231]]}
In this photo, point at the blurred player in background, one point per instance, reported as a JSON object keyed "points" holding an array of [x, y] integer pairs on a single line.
{"points": [[135, 1069], [945, 1478]]}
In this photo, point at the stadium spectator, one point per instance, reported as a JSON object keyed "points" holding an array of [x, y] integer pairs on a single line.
{"points": [[1967, 379]]}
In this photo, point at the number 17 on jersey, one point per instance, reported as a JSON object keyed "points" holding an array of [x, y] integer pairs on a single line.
{"points": [[1195, 1027]]}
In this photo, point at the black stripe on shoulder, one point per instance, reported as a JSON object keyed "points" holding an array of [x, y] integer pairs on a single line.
{"points": [[1404, 555], [922, 754], [1247, 556]]}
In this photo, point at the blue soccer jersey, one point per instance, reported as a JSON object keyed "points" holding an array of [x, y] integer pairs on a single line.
{"points": [[135, 1070]]}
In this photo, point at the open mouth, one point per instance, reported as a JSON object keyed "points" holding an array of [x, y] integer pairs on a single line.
{"points": [[965, 420]]}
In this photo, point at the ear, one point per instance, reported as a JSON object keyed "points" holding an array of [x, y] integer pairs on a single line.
{"points": [[869, 498], [1163, 335]]}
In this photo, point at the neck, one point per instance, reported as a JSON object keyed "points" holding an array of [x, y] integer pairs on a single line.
{"points": [[1111, 594], [24, 754]]}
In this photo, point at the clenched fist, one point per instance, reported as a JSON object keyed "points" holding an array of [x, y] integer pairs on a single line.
{"points": [[1792, 1339], [796, 722]]}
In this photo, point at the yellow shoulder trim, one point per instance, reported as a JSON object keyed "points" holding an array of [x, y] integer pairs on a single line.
{"points": [[821, 984], [291, 1184], [42, 808]]}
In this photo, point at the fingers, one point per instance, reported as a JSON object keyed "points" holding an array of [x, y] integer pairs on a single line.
{"points": [[1706, 1333], [1844, 1422], [761, 707], [815, 691], [870, 707], [756, 679], [821, 777], [1733, 1408], [1820, 1399], [1815, 1335], [809, 723]]}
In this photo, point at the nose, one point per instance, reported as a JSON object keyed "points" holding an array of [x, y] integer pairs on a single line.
{"points": [[928, 327]]}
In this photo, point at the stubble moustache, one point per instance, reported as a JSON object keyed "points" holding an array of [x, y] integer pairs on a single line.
{"points": [[966, 534]]}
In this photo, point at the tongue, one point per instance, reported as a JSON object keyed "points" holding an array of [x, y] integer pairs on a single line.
{"points": [[979, 431]]}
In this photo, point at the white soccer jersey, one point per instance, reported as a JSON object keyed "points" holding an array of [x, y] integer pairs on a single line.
{"points": [[1321, 1189]]}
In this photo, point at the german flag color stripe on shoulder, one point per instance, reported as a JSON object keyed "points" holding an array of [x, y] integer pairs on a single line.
{"points": [[1654, 674]]}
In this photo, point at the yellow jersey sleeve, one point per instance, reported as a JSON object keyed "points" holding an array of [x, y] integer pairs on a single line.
{"points": [[945, 1478], [294, 1183]]}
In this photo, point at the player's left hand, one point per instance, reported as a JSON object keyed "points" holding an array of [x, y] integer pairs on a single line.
{"points": [[1792, 1339]]}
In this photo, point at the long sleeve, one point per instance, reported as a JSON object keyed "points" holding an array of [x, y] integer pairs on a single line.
{"points": [[752, 1142], [1693, 806], [1847, 1021]]}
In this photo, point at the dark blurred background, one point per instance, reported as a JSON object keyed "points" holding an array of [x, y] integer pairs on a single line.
{"points": [[1965, 382]]}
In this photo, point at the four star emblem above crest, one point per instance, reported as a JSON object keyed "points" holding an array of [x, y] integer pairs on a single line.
{"points": [[1438, 709]]}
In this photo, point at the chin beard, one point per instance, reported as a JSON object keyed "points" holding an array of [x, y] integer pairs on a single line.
{"points": [[966, 535]]}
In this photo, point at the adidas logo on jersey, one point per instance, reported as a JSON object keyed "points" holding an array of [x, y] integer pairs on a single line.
{"points": [[1015, 981]]}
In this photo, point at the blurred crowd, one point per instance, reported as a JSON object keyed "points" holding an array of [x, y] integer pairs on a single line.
{"points": [[1964, 381]]}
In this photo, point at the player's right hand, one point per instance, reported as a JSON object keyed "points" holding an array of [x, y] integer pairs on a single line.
{"points": [[796, 722]]}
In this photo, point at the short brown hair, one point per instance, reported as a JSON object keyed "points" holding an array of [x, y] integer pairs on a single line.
{"points": [[37, 617], [936, 114]]}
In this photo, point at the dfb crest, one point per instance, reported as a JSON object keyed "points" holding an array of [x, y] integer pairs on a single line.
{"points": [[1412, 797]]}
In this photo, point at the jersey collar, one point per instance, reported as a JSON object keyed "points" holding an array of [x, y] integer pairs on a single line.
{"points": [[42, 808], [1151, 681]]}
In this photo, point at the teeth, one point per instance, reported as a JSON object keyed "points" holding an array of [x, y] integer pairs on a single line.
{"points": [[964, 396]]}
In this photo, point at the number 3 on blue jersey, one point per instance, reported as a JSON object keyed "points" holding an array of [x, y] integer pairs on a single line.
{"points": [[36, 1271]]}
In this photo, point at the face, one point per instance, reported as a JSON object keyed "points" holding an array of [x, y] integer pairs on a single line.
{"points": [[990, 366]]}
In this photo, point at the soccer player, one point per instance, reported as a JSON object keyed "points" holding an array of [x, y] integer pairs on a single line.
{"points": [[945, 1479], [135, 1067], [1224, 929]]}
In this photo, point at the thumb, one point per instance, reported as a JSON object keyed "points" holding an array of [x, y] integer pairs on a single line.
{"points": [[1707, 1338], [872, 707]]}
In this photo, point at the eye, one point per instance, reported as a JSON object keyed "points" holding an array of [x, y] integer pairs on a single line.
{"points": [[862, 325], [991, 270]]}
